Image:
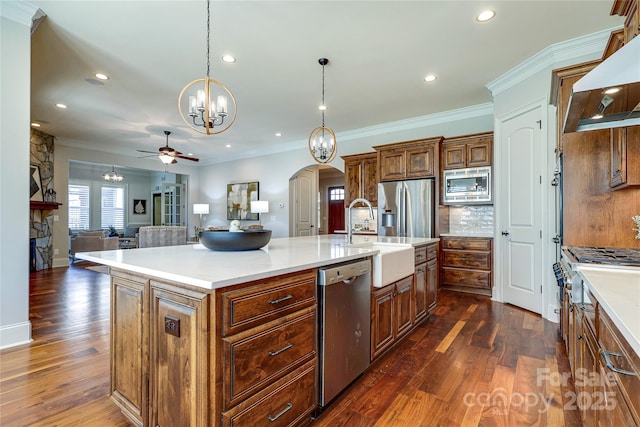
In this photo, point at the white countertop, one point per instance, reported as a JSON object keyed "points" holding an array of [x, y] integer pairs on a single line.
{"points": [[617, 289], [198, 266]]}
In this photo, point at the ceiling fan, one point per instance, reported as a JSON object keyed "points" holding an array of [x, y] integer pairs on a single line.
{"points": [[167, 154]]}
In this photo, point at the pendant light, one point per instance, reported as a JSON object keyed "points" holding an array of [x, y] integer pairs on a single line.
{"points": [[204, 103], [112, 175], [322, 140]]}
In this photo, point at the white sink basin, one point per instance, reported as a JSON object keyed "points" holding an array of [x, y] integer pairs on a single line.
{"points": [[392, 263]]}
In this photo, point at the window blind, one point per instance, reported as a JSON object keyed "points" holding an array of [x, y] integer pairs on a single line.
{"points": [[78, 207], [112, 209]]}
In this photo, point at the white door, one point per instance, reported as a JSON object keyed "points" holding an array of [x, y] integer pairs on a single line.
{"points": [[173, 205], [522, 151], [305, 195]]}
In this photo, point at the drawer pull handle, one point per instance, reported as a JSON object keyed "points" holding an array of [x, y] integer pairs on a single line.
{"points": [[284, 411], [607, 361], [279, 300], [286, 347]]}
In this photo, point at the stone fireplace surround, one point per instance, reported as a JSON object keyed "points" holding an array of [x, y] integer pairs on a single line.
{"points": [[41, 220]]}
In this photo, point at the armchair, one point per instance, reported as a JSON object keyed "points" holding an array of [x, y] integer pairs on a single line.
{"points": [[88, 241]]}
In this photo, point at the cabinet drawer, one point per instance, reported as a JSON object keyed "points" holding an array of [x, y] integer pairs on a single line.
{"points": [[256, 305], [467, 243], [612, 341], [253, 360], [420, 254], [474, 279], [432, 252], [479, 260], [288, 402]]}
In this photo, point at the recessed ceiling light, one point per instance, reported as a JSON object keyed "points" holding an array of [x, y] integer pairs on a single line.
{"points": [[35, 125], [229, 59], [430, 77], [612, 90], [322, 107], [597, 116], [102, 76], [189, 154], [278, 134], [485, 15], [228, 145], [61, 106]]}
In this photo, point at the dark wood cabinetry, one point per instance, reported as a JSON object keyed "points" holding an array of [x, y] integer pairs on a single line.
{"points": [[408, 160], [391, 314], [625, 157], [361, 177], [631, 10], [467, 264], [468, 151], [425, 281]]}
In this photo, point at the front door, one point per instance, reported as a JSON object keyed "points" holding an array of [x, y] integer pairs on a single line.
{"points": [[522, 151], [335, 209]]}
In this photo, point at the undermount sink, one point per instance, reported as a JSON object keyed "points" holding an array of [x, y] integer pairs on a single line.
{"points": [[393, 262]]}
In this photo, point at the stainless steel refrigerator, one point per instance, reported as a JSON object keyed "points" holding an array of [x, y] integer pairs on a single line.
{"points": [[406, 208]]}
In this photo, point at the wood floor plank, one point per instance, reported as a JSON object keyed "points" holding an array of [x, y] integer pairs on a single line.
{"points": [[453, 333]]}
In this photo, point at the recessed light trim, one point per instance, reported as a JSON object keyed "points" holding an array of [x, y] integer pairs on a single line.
{"points": [[486, 15], [101, 76], [278, 134], [228, 145], [612, 90], [229, 59], [322, 107], [61, 106], [430, 78]]}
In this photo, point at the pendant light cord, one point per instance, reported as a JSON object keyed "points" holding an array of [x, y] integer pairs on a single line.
{"points": [[324, 106], [209, 33]]}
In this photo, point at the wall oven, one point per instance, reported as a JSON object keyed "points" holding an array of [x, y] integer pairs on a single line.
{"points": [[467, 186]]}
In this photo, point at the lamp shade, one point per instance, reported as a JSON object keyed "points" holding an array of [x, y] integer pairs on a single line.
{"points": [[201, 208], [259, 206]]}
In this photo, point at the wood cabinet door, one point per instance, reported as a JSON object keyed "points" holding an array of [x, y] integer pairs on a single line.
{"points": [[432, 284], [392, 164], [479, 153], [179, 374], [420, 161], [370, 180], [403, 306], [352, 180], [632, 23], [382, 320], [618, 149], [454, 156], [420, 291], [129, 350]]}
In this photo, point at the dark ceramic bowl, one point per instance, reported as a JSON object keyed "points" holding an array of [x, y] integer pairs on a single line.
{"points": [[223, 240]]}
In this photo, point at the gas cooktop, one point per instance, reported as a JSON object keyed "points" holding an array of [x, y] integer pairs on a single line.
{"points": [[620, 256]]}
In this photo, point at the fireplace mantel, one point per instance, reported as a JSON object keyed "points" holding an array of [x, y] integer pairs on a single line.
{"points": [[45, 206]]}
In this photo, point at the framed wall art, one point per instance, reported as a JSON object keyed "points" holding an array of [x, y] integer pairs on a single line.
{"points": [[239, 197], [35, 184], [139, 206]]}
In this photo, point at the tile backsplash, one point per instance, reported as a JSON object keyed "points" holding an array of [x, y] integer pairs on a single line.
{"points": [[471, 219], [358, 217]]}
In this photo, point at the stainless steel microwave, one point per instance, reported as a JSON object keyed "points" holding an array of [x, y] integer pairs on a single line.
{"points": [[467, 186]]}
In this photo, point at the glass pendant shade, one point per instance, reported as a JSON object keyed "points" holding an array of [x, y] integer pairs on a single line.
{"points": [[207, 106], [322, 144], [112, 175]]}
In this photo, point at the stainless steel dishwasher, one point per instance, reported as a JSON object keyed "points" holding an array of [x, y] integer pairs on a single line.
{"points": [[344, 295]]}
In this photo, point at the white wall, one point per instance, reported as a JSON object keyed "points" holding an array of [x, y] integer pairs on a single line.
{"points": [[15, 45]]}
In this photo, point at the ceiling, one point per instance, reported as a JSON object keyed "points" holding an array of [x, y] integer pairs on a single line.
{"points": [[379, 53]]}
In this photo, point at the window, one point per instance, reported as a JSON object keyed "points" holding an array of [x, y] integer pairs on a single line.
{"points": [[112, 209], [78, 207], [336, 193]]}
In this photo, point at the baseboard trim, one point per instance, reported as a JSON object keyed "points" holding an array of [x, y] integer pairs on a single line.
{"points": [[15, 334]]}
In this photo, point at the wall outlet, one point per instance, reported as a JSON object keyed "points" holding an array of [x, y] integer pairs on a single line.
{"points": [[56, 218], [56, 251], [281, 205]]}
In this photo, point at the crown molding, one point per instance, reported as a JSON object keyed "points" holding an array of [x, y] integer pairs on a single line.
{"points": [[22, 12], [590, 45]]}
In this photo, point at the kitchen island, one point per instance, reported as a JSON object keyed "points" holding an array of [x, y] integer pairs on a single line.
{"points": [[200, 337]]}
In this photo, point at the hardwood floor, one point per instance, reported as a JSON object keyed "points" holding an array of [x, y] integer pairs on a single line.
{"points": [[473, 363]]}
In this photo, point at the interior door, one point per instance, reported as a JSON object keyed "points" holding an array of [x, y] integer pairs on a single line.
{"points": [[522, 151], [173, 205], [305, 199]]}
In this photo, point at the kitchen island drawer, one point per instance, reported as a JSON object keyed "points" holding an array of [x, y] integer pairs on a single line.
{"points": [[255, 305], [288, 402], [420, 254], [467, 243], [463, 277], [479, 260], [253, 359]]}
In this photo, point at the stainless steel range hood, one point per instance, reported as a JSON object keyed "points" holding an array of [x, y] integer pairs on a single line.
{"points": [[595, 103]]}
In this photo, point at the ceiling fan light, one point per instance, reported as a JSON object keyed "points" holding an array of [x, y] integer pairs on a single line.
{"points": [[166, 159]]}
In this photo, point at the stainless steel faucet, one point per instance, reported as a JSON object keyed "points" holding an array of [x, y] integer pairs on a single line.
{"points": [[349, 228]]}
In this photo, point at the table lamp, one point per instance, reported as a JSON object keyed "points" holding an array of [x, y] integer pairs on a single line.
{"points": [[259, 206], [201, 209]]}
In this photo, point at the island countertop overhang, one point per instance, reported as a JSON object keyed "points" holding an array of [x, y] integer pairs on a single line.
{"points": [[198, 266]]}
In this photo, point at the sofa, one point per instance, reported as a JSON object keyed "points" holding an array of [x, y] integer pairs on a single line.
{"points": [[161, 235], [89, 241]]}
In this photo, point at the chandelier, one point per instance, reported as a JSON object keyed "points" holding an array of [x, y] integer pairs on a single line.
{"points": [[112, 175], [322, 140], [204, 103]]}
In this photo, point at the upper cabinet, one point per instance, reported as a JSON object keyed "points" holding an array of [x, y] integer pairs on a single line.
{"points": [[361, 177], [625, 157], [409, 160], [630, 9], [468, 151]]}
